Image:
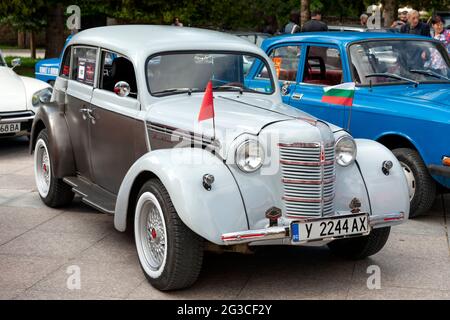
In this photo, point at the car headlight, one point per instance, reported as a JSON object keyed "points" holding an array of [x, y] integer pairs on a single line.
{"points": [[42, 96], [345, 151], [249, 156]]}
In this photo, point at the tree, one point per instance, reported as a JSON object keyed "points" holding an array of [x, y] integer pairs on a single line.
{"points": [[24, 16], [390, 12], [305, 13]]}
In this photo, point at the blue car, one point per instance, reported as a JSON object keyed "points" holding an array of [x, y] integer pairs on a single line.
{"points": [[401, 96], [47, 70]]}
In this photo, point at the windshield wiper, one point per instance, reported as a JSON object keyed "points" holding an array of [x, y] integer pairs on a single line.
{"points": [[229, 88], [235, 88], [430, 73], [176, 90], [393, 76]]}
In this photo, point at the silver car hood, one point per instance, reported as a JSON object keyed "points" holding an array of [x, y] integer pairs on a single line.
{"points": [[235, 115]]}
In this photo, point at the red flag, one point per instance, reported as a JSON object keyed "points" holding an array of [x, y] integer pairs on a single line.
{"points": [[207, 108]]}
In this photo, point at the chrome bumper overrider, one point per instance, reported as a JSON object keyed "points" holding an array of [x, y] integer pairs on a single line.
{"points": [[284, 232]]}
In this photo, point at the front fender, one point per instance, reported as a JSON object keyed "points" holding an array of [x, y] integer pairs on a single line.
{"points": [[207, 213], [61, 153], [387, 193]]}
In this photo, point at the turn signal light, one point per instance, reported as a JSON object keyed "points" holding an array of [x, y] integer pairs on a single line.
{"points": [[446, 161]]}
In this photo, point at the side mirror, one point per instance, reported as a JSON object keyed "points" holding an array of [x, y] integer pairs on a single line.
{"points": [[122, 89], [16, 62]]}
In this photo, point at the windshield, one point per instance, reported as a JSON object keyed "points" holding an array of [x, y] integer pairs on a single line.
{"points": [[176, 73], [397, 61]]}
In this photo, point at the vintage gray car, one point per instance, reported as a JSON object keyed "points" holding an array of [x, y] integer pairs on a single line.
{"points": [[122, 132]]}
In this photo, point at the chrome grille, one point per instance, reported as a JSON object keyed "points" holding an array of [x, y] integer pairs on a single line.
{"points": [[308, 178]]}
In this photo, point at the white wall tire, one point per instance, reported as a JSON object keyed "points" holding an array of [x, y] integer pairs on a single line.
{"points": [[151, 234], [170, 254], [52, 190], [42, 168]]}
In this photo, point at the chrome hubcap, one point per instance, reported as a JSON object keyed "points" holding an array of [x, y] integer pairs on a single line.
{"points": [[410, 180]]}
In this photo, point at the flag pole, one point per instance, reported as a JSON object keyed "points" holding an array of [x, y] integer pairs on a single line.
{"points": [[214, 125]]}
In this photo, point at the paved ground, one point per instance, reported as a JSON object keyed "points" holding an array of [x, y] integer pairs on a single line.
{"points": [[38, 244]]}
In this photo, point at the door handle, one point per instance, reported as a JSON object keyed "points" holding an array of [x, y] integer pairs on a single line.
{"points": [[87, 113]]}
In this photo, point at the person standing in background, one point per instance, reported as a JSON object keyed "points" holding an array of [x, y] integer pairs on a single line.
{"points": [[415, 26], [293, 25], [403, 19], [176, 22], [363, 20], [441, 34], [315, 24], [270, 25]]}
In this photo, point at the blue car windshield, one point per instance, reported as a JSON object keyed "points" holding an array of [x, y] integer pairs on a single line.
{"points": [[393, 61], [175, 73]]}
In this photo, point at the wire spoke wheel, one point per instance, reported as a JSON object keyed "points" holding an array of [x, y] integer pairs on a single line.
{"points": [[42, 168], [151, 233]]}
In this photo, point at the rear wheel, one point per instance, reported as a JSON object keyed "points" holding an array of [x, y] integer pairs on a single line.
{"points": [[421, 186], [52, 190], [361, 247], [170, 254]]}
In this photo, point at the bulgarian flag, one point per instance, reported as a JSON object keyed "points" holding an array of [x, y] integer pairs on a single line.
{"points": [[341, 94]]}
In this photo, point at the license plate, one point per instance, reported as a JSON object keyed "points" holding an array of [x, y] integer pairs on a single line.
{"points": [[9, 128], [330, 228]]}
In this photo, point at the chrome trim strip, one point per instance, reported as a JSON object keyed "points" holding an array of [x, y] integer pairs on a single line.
{"points": [[310, 182], [315, 200], [309, 164], [10, 120]]}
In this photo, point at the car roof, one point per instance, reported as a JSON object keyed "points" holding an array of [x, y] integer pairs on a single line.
{"points": [[144, 40], [339, 38]]}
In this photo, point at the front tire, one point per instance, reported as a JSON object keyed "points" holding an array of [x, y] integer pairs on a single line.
{"points": [[52, 190], [361, 247], [421, 186], [170, 254]]}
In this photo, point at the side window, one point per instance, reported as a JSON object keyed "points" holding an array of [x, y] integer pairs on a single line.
{"points": [[286, 60], [323, 66], [65, 64], [115, 68], [83, 65]]}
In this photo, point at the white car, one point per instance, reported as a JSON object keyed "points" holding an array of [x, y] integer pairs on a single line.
{"points": [[19, 100]]}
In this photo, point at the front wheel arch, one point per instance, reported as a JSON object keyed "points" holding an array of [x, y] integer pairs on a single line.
{"points": [[140, 180]]}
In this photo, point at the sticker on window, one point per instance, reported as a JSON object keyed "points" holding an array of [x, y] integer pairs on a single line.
{"points": [[203, 59]]}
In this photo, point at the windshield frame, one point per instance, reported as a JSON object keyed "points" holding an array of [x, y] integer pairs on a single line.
{"points": [[202, 51], [439, 47]]}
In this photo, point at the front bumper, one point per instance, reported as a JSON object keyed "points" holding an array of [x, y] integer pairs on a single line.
{"points": [[25, 118], [437, 170], [284, 232]]}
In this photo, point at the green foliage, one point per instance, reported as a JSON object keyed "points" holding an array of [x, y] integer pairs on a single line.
{"points": [[26, 68], [218, 14]]}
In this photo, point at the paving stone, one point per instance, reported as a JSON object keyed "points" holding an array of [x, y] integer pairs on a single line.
{"points": [[23, 272], [115, 280], [25, 218], [49, 244], [418, 246], [80, 223], [405, 271], [397, 293], [116, 247]]}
